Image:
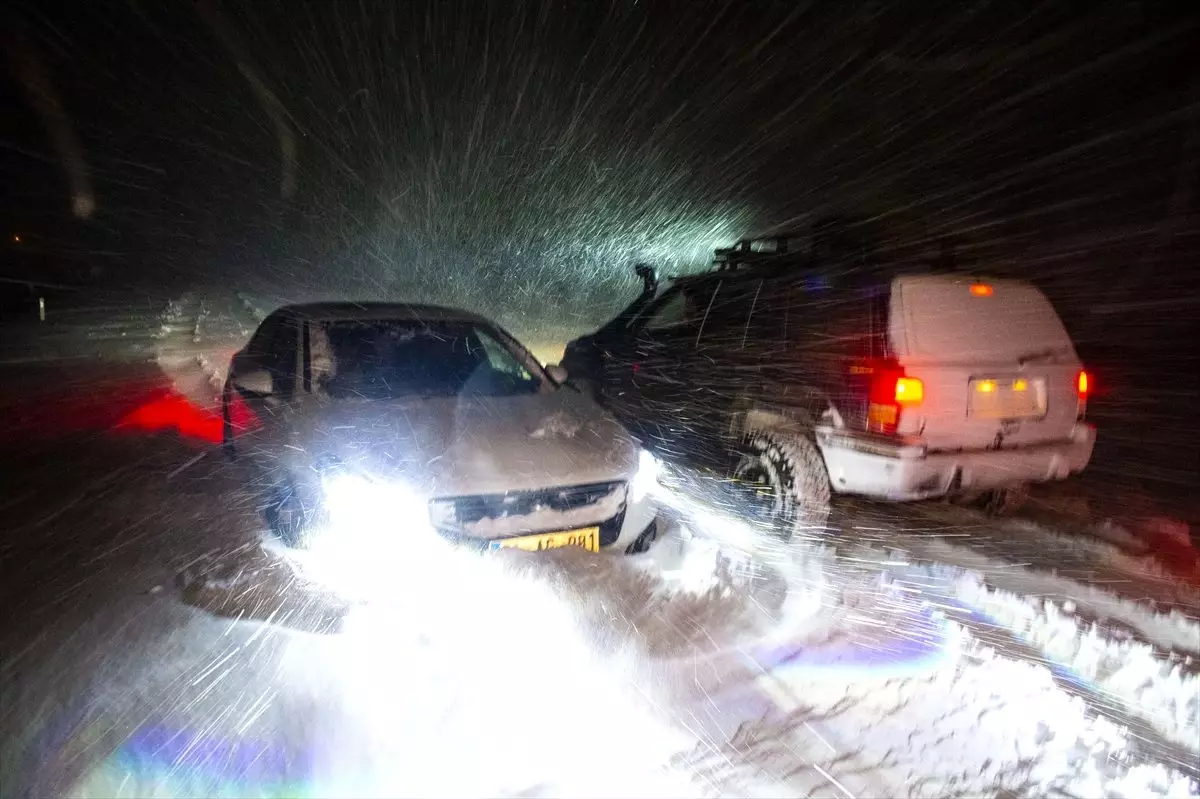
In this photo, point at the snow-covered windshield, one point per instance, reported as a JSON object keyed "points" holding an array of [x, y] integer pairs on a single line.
{"points": [[389, 358]]}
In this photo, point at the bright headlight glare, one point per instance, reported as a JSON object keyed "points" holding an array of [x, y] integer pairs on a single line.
{"points": [[646, 478], [442, 513], [354, 499], [374, 530]]}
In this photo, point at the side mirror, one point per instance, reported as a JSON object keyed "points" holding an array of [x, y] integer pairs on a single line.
{"points": [[557, 373], [256, 383]]}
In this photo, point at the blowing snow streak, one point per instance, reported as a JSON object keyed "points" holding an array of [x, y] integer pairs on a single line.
{"points": [[173, 172]]}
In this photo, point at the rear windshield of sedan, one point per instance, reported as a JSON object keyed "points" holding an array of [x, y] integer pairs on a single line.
{"points": [[388, 359]]}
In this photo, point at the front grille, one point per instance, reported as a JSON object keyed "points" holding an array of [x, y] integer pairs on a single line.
{"points": [[453, 516]]}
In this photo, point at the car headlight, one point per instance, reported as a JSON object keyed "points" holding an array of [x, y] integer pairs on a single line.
{"points": [[645, 479], [443, 514], [376, 532], [358, 500]]}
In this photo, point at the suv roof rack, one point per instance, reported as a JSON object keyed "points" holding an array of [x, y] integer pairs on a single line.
{"points": [[841, 238], [831, 243], [761, 251]]}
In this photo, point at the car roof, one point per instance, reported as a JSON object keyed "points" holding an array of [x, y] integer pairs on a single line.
{"points": [[350, 311]]}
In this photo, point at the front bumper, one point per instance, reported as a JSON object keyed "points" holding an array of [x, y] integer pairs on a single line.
{"points": [[635, 521], [876, 467], [641, 519]]}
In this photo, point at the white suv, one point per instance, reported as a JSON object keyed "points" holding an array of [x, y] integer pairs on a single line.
{"points": [[799, 379]]}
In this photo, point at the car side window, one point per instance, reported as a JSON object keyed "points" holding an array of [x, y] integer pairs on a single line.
{"points": [[773, 311], [726, 314], [669, 311]]}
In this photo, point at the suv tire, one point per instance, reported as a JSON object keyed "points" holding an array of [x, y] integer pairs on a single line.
{"points": [[791, 476]]}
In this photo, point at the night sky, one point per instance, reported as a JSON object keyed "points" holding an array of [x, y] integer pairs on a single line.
{"points": [[496, 153]]}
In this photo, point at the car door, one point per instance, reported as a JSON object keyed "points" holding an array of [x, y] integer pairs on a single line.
{"points": [[725, 368], [253, 356], [624, 354], [274, 350]]}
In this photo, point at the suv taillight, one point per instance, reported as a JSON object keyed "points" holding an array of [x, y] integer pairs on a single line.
{"points": [[1083, 386], [891, 392]]}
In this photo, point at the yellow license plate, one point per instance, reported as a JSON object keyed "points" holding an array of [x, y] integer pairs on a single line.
{"points": [[585, 537]]}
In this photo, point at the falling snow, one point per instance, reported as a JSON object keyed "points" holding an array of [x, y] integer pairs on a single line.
{"points": [[174, 172]]}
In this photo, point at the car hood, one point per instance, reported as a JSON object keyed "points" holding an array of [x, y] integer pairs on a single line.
{"points": [[455, 446]]}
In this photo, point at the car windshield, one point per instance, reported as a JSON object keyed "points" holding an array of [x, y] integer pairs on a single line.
{"points": [[389, 359]]}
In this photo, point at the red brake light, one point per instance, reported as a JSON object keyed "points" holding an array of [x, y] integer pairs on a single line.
{"points": [[890, 393], [1083, 384], [981, 289]]}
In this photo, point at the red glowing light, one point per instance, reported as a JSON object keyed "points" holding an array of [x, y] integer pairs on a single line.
{"points": [[170, 410]]}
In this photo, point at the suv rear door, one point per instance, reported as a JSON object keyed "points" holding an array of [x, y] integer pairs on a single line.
{"points": [[997, 366]]}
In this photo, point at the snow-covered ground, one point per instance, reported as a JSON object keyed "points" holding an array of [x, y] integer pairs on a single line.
{"points": [[918, 651]]}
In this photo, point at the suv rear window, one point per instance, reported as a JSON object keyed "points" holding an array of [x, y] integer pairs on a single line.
{"points": [[942, 318]]}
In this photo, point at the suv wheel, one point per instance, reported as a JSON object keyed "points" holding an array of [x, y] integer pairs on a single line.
{"points": [[784, 476]]}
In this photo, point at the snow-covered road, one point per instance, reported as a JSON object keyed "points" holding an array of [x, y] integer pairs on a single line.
{"points": [[919, 651]]}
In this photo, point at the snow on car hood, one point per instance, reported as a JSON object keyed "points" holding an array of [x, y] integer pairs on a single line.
{"points": [[455, 446]]}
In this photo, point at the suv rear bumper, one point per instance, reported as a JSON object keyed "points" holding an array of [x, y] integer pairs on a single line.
{"points": [[897, 470]]}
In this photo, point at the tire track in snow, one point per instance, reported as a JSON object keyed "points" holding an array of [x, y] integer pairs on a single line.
{"points": [[1149, 741], [1146, 744]]}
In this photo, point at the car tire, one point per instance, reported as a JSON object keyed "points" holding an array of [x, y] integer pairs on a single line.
{"points": [[289, 515], [791, 479]]}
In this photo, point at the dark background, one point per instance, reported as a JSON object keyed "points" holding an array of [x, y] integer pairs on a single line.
{"points": [[517, 157]]}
